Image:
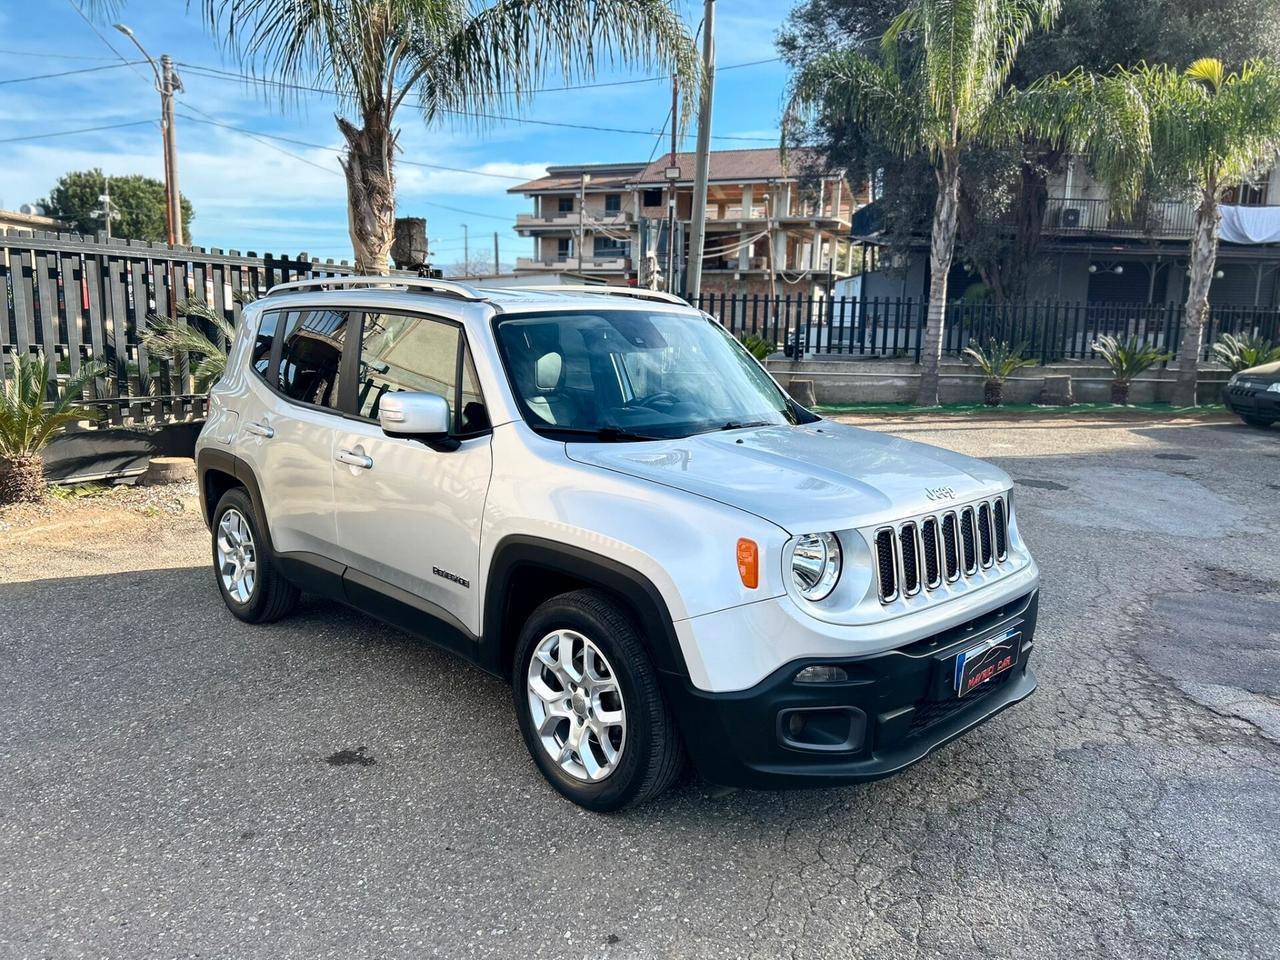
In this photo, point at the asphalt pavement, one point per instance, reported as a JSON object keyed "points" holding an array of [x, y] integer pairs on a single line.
{"points": [[177, 784]]}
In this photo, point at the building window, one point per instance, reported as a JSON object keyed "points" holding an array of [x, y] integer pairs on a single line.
{"points": [[564, 247], [1246, 195], [610, 247], [565, 205], [653, 197], [613, 203]]}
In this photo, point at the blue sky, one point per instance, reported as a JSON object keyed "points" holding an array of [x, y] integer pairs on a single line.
{"points": [[263, 195]]}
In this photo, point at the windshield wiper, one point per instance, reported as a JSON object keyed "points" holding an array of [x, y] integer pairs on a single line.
{"points": [[742, 425], [608, 434]]}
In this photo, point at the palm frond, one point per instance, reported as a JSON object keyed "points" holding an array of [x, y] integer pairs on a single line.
{"points": [[998, 360], [1130, 357], [1243, 351], [28, 420]]}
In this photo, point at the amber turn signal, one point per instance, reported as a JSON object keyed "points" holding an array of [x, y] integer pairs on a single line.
{"points": [[749, 563]]}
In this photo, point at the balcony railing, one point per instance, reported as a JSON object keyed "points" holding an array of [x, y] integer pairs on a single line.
{"points": [[590, 217], [1163, 219], [573, 263]]}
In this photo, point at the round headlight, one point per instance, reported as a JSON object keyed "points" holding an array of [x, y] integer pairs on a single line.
{"points": [[815, 565]]}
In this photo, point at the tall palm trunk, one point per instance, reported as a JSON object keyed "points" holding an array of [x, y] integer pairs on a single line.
{"points": [[942, 248], [371, 189], [21, 479], [1204, 255]]}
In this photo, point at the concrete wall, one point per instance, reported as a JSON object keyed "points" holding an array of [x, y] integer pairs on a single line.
{"points": [[838, 382]]}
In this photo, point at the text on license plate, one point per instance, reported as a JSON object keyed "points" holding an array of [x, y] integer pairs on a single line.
{"points": [[989, 658]]}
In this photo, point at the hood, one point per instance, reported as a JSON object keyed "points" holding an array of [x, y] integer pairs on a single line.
{"points": [[819, 476], [1262, 372]]}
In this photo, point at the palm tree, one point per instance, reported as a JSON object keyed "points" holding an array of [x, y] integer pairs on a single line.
{"points": [[445, 57], [167, 339], [1210, 129], [1242, 351], [28, 422], [934, 88]]}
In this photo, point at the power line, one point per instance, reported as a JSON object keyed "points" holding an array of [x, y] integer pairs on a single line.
{"points": [[101, 36], [217, 74], [44, 55], [323, 146], [67, 133], [68, 73]]}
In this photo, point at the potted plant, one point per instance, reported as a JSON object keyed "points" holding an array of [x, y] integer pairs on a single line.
{"points": [[1242, 351], [1127, 359], [28, 422], [997, 361]]}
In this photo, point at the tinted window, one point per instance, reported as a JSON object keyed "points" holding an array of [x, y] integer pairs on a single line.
{"points": [[262, 343], [311, 356], [652, 198], [400, 352], [612, 202], [566, 204]]}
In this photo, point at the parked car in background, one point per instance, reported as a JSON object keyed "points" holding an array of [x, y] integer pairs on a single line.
{"points": [[1254, 395], [601, 496]]}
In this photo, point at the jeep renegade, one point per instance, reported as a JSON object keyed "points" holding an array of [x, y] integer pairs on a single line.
{"points": [[599, 495]]}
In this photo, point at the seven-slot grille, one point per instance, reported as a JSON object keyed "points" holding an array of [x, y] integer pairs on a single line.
{"points": [[943, 548]]}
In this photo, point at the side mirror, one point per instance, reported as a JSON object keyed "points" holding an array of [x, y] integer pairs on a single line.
{"points": [[421, 415]]}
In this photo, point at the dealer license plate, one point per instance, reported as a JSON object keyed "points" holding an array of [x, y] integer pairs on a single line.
{"points": [[986, 660]]}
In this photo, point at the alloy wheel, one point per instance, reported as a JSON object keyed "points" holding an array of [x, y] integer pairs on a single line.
{"points": [[576, 705], [237, 556]]}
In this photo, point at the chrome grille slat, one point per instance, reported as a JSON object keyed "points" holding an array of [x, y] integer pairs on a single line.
{"points": [[927, 553]]}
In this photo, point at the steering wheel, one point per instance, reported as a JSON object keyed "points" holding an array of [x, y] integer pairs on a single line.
{"points": [[657, 399]]}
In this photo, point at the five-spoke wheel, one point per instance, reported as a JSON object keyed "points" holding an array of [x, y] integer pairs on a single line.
{"points": [[237, 556]]}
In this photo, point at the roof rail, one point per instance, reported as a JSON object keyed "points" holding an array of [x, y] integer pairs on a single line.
{"points": [[638, 293], [460, 290]]}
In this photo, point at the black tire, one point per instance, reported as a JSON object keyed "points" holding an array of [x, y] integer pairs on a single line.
{"points": [[272, 596], [1261, 422], [652, 755]]}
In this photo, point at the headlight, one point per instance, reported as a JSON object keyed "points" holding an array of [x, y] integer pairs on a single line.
{"points": [[1273, 387], [815, 565]]}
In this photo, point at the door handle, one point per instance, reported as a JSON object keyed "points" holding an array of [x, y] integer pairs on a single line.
{"points": [[353, 459], [260, 429]]}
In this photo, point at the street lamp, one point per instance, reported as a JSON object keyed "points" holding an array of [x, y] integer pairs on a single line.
{"points": [[166, 83]]}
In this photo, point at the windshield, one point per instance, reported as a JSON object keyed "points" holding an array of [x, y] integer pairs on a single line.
{"points": [[635, 375]]}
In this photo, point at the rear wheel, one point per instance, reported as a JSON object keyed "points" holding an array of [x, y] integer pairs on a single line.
{"points": [[244, 565], [587, 699], [1258, 421]]}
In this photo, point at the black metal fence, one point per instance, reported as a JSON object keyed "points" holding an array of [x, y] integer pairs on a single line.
{"points": [[1049, 331], [74, 298]]}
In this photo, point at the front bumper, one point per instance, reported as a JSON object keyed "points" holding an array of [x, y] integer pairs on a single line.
{"points": [[1252, 402], [899, 707]]}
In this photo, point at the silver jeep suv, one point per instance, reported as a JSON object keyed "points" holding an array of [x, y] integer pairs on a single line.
{"points": [[598, 494]]}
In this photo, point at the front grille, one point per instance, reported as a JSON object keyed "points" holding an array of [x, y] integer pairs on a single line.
{"points": [[984, 533], [910, 560], [967, 536], [885, 566], [923, 555], [929, 713]]}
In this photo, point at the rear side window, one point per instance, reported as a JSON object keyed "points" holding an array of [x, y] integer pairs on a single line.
{"points": [[400, 352], [263, 343], [311, 356]]}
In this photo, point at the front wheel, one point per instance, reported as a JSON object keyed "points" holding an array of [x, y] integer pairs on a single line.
{"points": [[244, 565], [587, 700]]}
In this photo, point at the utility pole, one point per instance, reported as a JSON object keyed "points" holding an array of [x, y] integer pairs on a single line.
{"points": [[673, 175], [497, 264], [167, 83], [583, 177], [107, 211], [702, 163]]}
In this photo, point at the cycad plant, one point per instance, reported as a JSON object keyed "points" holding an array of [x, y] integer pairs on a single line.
{"points": [[169, 340], [1127, 359], [1242, 351], [935, 87], [28, 421], [998, 361]]}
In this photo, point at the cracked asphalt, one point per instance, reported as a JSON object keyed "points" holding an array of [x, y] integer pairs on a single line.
{"points": [[176, 784]]}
